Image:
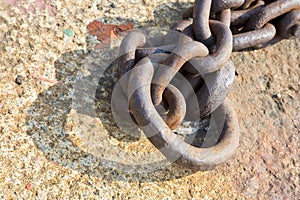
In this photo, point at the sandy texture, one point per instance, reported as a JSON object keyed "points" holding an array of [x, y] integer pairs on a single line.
{"points": [[54, 148]]}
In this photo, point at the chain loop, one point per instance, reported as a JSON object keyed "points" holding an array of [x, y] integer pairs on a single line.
{"points": [[191, 63]]}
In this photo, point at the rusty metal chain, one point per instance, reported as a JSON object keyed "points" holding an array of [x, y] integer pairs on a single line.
{"points": [[198, 48]]}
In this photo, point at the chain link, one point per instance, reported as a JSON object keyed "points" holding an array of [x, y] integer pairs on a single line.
{"points": [[198, 48]]}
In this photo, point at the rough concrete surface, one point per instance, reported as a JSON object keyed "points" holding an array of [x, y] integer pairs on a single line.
{"points": [[51, 148]]}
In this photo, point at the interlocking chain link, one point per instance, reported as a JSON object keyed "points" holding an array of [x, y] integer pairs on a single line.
{"points": [[197, 50]]}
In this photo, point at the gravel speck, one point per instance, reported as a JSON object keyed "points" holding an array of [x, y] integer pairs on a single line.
{"points": [[68, 32], [112, 5], [19, 80]]}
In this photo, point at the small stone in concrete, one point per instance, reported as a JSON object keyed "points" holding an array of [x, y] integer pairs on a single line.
{"points": [[69, 32], [19, 80]]}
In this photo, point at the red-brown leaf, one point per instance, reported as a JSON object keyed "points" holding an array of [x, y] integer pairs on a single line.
{"points": [[105, 32]]}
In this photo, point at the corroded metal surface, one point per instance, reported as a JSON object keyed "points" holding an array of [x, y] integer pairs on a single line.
{"points": [[198, 47]]}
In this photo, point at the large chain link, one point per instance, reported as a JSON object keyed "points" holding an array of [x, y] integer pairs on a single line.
{"points": [[198, 48]]}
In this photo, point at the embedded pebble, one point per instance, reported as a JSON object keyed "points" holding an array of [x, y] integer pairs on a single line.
{"points": [[19, 80]]}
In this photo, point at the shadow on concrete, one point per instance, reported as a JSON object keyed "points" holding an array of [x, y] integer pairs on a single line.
{"points": [[88, 78]]}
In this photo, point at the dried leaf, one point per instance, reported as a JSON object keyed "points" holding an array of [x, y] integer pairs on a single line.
{"points": [[105, 32]]}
